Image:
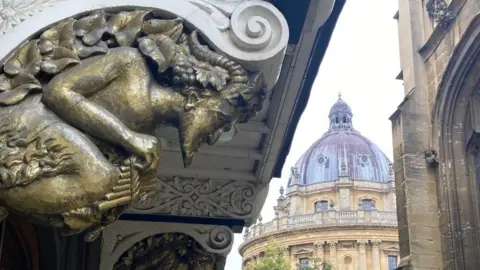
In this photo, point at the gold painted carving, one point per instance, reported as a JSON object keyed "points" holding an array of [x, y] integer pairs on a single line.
{"points": [[170, 251], [79, 104]]}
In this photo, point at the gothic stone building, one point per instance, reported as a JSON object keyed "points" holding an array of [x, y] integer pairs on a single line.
{"points": [[339, 204], [79, 137], [436, 134]]}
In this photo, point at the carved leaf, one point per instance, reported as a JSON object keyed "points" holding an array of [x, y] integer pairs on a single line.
{"points": [[126, 26], [16, 95], [26, 59], [91, 28], [208, 74]]}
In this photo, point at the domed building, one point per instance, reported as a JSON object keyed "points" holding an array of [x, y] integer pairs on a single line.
{"points": [[339, 204]]}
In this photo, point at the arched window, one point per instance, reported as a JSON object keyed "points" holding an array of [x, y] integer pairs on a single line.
{"points": [[367, 204], [321, 206]]}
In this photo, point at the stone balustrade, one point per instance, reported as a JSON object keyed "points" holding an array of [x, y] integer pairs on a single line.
{"points": [[324, 219]]}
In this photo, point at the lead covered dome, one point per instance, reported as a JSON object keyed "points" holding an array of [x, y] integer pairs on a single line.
{"points": [[341, 152]]}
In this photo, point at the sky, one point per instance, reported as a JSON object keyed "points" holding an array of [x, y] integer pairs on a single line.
{"points": [[361, 62]]}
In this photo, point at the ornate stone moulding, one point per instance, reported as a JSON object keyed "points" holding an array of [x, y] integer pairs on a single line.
{"points": [[254, 33], [123, 237], [201, 198]]}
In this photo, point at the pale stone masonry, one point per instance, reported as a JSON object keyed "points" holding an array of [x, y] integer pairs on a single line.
{"points": [[435, 134]]}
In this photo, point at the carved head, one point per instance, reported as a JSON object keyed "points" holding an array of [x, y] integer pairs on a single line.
{"points": [[204, 121], [207, 116]]}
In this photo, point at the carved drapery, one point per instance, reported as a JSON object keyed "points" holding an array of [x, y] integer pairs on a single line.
{"points": [[200, 197]]}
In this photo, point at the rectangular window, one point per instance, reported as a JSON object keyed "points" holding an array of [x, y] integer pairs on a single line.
{"points": [[392, 262], [303, 264]]}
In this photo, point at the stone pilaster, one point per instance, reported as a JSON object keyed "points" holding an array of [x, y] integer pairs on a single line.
{"points": [[375, 255], [320, 250], [362, 256], [333, 252]]}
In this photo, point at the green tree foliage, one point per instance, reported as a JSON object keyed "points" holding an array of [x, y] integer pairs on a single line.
{"points": [[274, 259], [316, 264]]}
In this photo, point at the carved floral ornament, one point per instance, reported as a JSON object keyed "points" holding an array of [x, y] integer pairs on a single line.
{"points": [[200, 197], [80, 101]]}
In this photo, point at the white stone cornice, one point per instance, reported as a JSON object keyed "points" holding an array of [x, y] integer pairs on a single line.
{"points": [[252, 32]]}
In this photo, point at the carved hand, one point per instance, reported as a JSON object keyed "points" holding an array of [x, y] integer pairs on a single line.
{"points": [[146, 147]]}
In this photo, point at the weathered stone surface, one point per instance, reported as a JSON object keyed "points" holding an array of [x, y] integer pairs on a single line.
{"points": [[441, 214]]}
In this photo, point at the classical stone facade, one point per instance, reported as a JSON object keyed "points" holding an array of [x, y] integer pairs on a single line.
{"points": [[339, 205], [435, 134]]}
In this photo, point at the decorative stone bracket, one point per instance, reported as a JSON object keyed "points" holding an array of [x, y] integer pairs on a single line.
{"points": [[253, 32], [194, 197], [121, 236]]}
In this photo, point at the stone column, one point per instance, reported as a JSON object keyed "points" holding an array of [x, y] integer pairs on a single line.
{"points": [[333, 253], [362, 256], [375, 255]]}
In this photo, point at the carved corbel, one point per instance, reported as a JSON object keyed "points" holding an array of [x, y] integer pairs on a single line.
{"points": [[121, 236]]}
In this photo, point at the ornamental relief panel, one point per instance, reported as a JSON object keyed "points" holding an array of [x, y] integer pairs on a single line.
{"points": [[200, 197]]}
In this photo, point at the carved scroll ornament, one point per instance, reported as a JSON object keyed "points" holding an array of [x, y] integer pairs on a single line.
{"points": [[121, 242], [170, 251], [200, 197], [80, 101]]}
